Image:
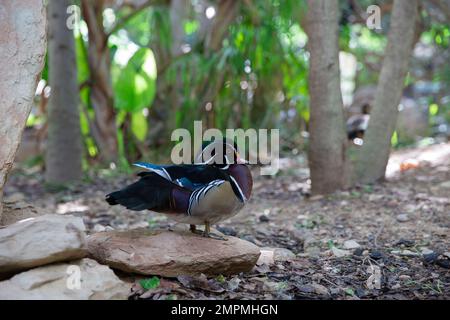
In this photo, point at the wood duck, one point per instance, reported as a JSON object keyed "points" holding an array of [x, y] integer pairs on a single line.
{"points": [[205, 193], [357, 124]]}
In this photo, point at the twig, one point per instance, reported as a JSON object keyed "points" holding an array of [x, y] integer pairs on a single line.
{"points": [[119, 24]]}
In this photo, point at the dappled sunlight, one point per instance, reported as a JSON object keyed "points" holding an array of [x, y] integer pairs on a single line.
{"points": [[409, 159]]}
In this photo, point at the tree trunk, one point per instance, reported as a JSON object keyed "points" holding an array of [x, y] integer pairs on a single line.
{"points": [[101, 93], [64, 146], [22, 48], [374, 155], [327, 151]]}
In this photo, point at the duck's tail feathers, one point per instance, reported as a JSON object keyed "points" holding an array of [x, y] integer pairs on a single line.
{"points": [[151, 192]]}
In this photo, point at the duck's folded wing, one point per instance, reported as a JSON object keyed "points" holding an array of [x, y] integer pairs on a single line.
{"points": [[190, 176], [152, 192]]}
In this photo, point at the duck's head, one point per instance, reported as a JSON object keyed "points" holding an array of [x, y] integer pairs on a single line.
{"points": [[221, 154]]}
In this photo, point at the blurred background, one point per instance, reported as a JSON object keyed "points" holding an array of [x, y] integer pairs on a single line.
{"points": [[144, 68]]}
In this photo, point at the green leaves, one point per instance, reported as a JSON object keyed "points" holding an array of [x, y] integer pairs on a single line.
{"points": [[139, 125], [135, 84], [151, 283]]}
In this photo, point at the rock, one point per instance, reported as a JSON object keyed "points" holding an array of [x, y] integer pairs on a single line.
{"points": [[376, 255], [319, 289], [375, 197], [264, 218], [306, 288], [445, 184], [266, 257], [405, 242], [426, 251], [403, 217], [172, 253], [447, 254], [271, 255], [444, 263], [430, 258], [405, 253], [404, 277], [339, 253], [42, 240], [351, 244], [15, 197], [62, 281], [283, 254]]}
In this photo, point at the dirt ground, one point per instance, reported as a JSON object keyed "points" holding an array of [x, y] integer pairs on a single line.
{"points": [[401, 230]]}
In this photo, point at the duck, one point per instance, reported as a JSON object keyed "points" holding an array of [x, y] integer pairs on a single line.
{"points": [[215, 188], [357, 124]]}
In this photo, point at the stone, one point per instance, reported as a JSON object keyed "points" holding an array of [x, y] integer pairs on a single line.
{"points": [[375, 254], [320, 289], [83, 279], [426, 251], [403, 217], [339, 253], [405, 253], [445, 184], [15, 197], [266, 257], [172, 253], [272, 255], [42, 240], [351, 244]]}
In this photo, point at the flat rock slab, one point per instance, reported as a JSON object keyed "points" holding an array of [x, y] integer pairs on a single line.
{"points": [[171, 253], [83, 279], [42, 240]]}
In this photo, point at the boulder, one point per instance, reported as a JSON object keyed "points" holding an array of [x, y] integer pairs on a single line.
{"points": [[172, 253], [77, 280], [42, 240]]}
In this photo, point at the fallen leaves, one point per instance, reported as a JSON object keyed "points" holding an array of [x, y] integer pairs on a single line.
{"points": [[201, 282]]}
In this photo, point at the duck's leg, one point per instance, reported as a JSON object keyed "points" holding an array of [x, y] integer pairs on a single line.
{"points": [[207, 233]]}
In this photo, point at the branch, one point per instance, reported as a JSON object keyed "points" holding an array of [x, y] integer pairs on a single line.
{"points": [[122, 22]]}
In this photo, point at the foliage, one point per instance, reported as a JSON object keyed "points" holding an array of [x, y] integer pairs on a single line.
{"points": [[259, 72], [150, 283]]}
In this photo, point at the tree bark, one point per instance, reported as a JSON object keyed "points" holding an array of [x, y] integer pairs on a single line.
{"points": [[101, 93], [226, 13], [64, 146], [374, 155], [22, 48], [327, 149]]}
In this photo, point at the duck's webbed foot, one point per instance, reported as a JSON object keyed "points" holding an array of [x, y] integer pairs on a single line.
{"points": [[208, 234]]}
